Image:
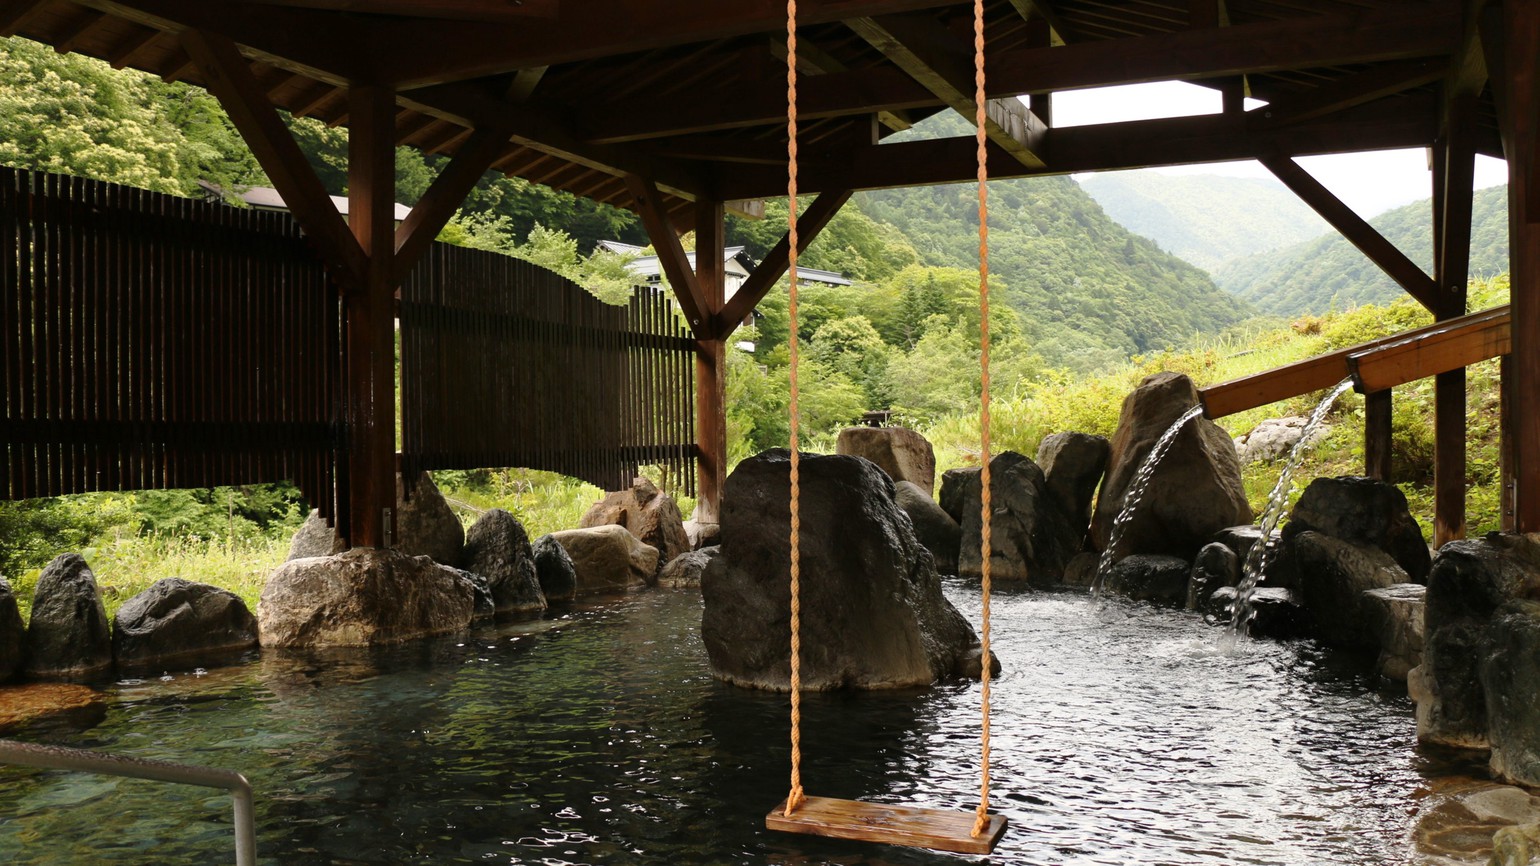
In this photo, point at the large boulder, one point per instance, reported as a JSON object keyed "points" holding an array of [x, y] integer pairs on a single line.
{"points": [[935, 529], [425, 525], [1031, 539], [608, 559], [954, 491], [686, 569], [1275, 438], [1333, 576], [315, 537], [362, 597], [1396, 618], [1273, 612], [900, 452], [1195, 490], [1215, 566], [498, 549], [179, 621], [1510, 675], [553, 567], [13, 632], [1073, 465], [1366, 512], [69, 637], [1154, 578], [647, 513], [873, 614], [1470, 580]]}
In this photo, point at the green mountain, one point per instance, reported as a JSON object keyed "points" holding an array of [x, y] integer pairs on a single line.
{"points": [[1205, 219], [1329, 273]]}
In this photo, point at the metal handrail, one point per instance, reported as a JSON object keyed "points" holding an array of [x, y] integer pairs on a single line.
{"points": [[81, 760]]}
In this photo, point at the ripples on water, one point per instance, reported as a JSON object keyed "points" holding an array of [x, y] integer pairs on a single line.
{"points": [[1121, 735]]}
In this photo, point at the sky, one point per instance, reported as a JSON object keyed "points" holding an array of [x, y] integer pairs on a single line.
{"points": [[1370, 183]]}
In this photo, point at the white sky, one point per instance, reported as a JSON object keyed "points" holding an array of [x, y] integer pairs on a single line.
{"points": [[1370, 183]]}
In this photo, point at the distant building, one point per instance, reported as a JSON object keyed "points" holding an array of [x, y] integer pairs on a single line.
{"points": [[267, 198], [735, 265]]}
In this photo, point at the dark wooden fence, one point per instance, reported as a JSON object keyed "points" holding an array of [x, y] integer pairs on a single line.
{"points": [[504, 363], [151, 341]]}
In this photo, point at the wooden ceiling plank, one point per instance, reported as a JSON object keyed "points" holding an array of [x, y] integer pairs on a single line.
{"points": [[671, 256], [524, 83], [1424, 30], [1357, 230], [126, 53], [1041, 10], [14, 15], [228, 76], [769, 271], [499, 11], [444, 196], [314, 104], [1348, 92], [946, 70], [813, 60], [86, 27]]}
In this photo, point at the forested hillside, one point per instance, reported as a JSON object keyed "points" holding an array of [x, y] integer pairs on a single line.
{"points": [[1206, 219], [1329, 273]]}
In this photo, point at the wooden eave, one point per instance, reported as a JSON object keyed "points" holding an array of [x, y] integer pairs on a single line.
{"points": [[690, 94]]}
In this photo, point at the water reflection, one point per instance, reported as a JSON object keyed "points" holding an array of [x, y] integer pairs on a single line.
{"points": [[1122, 735]]}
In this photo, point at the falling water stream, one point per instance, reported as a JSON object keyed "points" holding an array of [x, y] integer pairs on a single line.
{"points": [[1255, 567], [1136, 490]]}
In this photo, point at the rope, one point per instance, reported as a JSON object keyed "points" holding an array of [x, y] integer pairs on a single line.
{"points": [[979, 118], [795, 797]]}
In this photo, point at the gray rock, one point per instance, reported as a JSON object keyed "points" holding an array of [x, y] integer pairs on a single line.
{"points": [[68, 637], [1333, 576], [1031, 538], [1518, 845], [315, 537], [1147, 577], [1275, 438], [362, 597], [181, 622], [1215, 566], [1275, 612], [1395, 618], [558, 577], [1240, 539], [873, 613], [498, 549], [13, 633], [900, 452], [935, 529], [647, 513], [1363, 511], [483, 604], [1073, 465], [1081, 570], [954, 491], [608, 559], [1196, 489], [424, 523], [686, 569], [1470, 580], [702, 535], [1510, 675]]}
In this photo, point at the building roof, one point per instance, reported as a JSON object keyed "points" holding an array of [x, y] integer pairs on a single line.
{"points": [[267, 198], [651, 268]]}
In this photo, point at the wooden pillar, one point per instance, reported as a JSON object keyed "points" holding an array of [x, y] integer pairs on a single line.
{"points": [[1518, 92], [1506, 497], [1454, 166], [710, 365], [369, 310], [1377, 417]]}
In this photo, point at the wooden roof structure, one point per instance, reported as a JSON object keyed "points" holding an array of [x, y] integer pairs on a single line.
{"points": [[676, 110]]}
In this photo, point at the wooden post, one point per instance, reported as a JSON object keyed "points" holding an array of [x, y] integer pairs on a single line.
{"points": [[710, 365], [1377, 417], [1505, 443], [369, 307], [1454, 163]]}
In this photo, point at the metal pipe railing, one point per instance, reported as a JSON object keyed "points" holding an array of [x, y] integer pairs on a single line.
{"points": [[80, 760]]}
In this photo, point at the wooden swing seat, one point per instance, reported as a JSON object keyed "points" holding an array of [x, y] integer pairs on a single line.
{"points": [[937, 829]]}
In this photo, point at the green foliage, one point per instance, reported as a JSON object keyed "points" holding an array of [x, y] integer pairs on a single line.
{"points": [[603, 273]]}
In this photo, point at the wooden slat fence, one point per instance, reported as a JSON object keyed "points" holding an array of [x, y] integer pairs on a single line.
{"points": [[504, 363], [151, 341]]}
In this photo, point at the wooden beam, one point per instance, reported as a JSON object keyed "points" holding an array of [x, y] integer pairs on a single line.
{"points": [[1313, 374], [1399, 33], [922, 48], [1105, 147], [14, 15], [1445, 346], [461, 10], [1041, 10], [671, 256], [812, 60], [443, 197], [129, 50], [1348, 92], [1454, 169], [1357, 230], [1379, 416], [810, 222], [227, 75], [370, 317], [710, 364], [415, 54], [524, 83]]}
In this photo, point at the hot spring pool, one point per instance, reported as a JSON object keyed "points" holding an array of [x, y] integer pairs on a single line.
{"points": [[1122, 735]]}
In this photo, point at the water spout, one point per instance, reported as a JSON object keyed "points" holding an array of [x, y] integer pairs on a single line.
{"points": [[1257, 558], [1136, 491]]}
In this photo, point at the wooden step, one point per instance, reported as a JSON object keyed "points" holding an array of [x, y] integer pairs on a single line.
{"points": [[938, 829]]}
